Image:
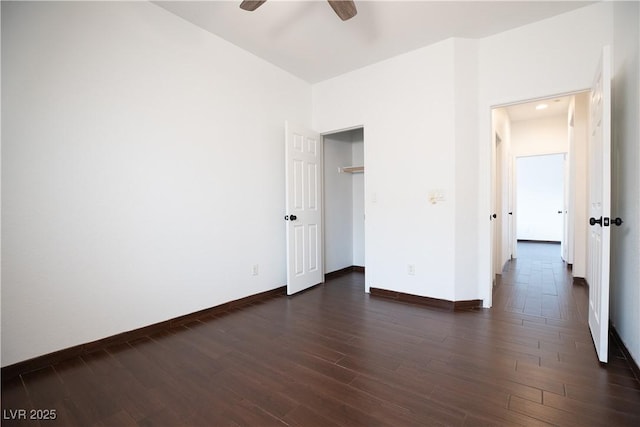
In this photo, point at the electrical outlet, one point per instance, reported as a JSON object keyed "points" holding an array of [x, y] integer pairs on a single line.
{"points": [[411, 270], [255, 269]]}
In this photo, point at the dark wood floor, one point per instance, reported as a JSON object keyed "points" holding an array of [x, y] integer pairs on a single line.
{"points": [[336, 356]]}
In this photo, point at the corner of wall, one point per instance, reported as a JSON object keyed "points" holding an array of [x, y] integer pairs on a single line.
{"points": [[465, 92]]}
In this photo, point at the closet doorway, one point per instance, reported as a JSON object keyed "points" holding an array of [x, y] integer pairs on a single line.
{"points": [[344, 201]]}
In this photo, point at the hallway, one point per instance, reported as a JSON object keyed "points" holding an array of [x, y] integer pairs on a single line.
{"points": [[538, 283], [537, 292]]}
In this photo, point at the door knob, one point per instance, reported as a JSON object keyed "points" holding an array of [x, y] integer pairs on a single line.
{"points": [[559, 211], [494, 216], [510, 213], [617, 221], [593, 221], [290, 217]]}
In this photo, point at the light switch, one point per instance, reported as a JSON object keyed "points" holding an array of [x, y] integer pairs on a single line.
{"points": [[436, 196]]}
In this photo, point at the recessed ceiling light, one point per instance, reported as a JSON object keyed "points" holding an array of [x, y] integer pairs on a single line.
{"points": [[541, 106]]}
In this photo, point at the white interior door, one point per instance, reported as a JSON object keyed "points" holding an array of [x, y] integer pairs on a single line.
{"points": [[499, 205], [565, 243], [513, 216], [303, 159], [600, 205], [493, 215], [510, 196]]}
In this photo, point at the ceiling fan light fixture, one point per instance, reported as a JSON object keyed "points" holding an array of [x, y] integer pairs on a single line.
{"points": [[345, 9], [251, 5]]}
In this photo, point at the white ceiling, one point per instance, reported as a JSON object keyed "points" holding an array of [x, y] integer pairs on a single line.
{"points": [[308, 40], [527, 111]]}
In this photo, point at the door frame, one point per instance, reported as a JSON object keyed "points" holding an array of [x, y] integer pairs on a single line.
{"points": [[489, 261]]}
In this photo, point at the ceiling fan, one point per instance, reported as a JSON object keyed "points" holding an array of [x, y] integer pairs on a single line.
{"points": [[345, 9]]}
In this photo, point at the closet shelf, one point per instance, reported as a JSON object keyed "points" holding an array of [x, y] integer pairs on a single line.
{"points": [[352, 169]]}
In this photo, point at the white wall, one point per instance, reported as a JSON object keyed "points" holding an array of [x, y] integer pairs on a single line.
{"points": [[338, 202], [465, 162], [546, 135], [406, 105], [540, 197], [625, 240], [142, 171]]}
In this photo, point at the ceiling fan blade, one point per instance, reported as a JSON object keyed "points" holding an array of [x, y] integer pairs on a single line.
{"points": [[345, 9], [251, 5]]}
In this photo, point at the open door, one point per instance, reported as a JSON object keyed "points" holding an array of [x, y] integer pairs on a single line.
{"points": [[303, 164], [511, 241], [566, 243], [513, 214], [498, 208], [493, 216], [600, 205]]}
